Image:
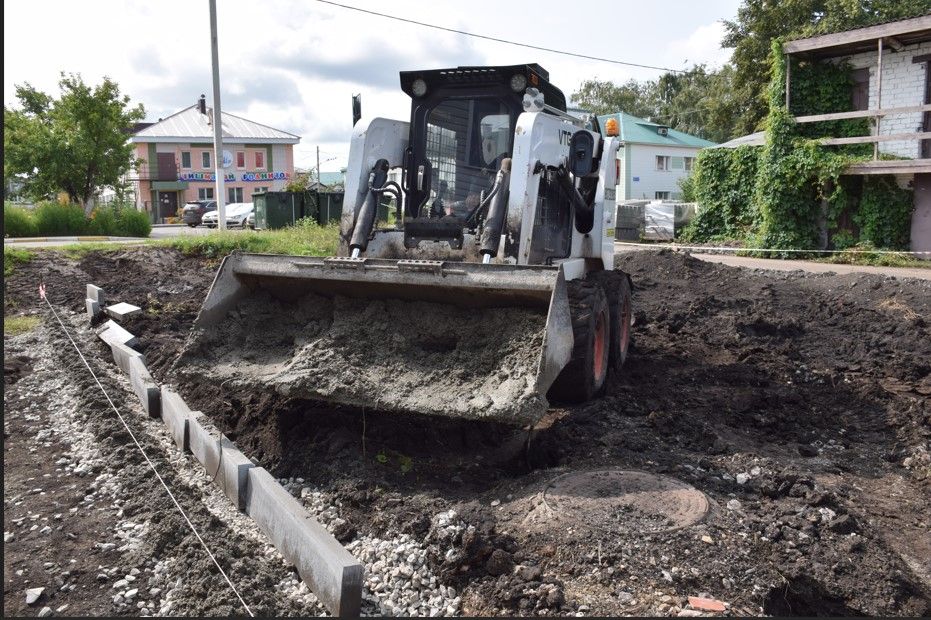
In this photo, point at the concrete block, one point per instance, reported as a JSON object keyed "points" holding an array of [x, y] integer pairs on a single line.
{"points": [[145, 387], [234, 473], [111, 332], [96, 293], [122, 310], [204, 439], [177, 416], [122, 354], [92, 307], [331, 572]]}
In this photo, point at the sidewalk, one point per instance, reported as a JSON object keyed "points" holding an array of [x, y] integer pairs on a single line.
{"points": [[777, 264], [45, 242]]}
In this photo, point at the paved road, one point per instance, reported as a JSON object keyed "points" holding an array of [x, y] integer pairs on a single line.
{"points": [[795, 265]]}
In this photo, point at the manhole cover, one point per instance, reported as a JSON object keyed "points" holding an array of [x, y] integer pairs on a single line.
{"points": [[625, 501]]}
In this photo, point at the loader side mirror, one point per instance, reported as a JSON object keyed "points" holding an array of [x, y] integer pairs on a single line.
{"points": [[581, 153]]}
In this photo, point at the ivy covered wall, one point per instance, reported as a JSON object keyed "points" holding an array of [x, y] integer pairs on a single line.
{"points": [[787, 193]]}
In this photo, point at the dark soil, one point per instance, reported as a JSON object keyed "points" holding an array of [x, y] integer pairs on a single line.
{"points": [[814, 388]]}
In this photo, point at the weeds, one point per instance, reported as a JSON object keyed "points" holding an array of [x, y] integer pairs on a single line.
{"points": [[16, 325], [13, 257], [305, 238]]}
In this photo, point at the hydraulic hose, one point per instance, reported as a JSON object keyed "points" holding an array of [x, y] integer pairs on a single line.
{"points": [[367, 214], [497, 211]]}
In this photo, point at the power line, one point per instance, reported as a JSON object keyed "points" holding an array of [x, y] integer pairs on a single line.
{"points": [[497, 40]]}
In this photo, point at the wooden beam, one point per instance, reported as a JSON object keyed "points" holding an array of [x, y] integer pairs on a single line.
{"points": [[895, 44], [838, 116], [893, 137], [890, 166], [879, 91], [870, 33]]}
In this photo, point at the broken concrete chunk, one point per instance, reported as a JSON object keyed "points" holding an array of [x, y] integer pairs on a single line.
{"points": [[122, 310], [111, 332], [33, 595], [706, 604]]}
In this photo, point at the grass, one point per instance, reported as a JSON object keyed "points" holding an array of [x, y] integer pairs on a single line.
{"points": [[16, 325], [13, 257], [302, 239], [877, 260]]}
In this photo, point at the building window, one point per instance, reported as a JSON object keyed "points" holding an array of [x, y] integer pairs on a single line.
{"points": [[689, 163], [662, 195], [259, 159], [240, 159], [186, 160], [205, 193], [205, 159], [662, 162], [259, 190], [235, 194]]}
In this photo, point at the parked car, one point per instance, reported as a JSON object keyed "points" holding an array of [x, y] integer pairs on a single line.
{"points": [[236, 214], [193, 212]]}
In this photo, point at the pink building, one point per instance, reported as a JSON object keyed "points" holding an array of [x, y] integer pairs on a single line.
{"points": [[178, 160]]}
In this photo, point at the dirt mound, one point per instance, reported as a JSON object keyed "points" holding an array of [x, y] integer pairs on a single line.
{"points": [[385, 355]]}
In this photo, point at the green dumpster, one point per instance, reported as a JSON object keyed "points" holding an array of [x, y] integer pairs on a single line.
{"points": [[277, 209]]}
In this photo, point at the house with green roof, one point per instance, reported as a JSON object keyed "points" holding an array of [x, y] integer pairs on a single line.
{"points": [[652, 158]]}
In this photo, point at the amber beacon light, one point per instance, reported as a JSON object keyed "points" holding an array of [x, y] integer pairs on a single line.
{"points": [[611, 127]]}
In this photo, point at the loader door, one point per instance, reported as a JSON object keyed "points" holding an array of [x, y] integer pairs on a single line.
{"points": [[458, 145]]}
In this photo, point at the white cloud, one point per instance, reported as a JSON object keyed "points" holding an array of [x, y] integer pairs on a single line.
{"points": [[703, 45], [295, 64]]}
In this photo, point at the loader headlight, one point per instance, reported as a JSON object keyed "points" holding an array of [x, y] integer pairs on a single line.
{"points": [[518, 82], [419, 87]]}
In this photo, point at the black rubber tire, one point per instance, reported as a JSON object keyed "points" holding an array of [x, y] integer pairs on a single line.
{"points": [[578, 383], [618, 290]]}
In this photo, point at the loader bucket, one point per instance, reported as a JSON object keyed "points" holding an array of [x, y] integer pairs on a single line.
{"points": [[459, 340]]}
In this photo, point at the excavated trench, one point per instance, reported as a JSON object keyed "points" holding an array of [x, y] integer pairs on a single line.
{"points": [[798, 404]]}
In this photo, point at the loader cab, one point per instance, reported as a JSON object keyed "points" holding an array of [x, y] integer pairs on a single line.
{"points": [[462, 127]]}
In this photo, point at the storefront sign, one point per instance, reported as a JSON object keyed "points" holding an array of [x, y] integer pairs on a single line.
{"points": [[206, 177], [227, 159], [266, 176]]}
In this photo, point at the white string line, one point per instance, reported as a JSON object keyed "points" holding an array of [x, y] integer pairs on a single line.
{"points": [[146, 457], [676, 246]]}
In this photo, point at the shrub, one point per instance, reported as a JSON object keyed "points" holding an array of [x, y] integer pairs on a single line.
{"points": [[133, 223], [18, 222], [103, 221], [57, 219]]}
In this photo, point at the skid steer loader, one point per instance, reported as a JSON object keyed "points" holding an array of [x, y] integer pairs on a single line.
{"points": [[501, 211]]}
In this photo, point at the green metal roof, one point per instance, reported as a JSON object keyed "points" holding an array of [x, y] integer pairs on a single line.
{"points": [[639, 131]]}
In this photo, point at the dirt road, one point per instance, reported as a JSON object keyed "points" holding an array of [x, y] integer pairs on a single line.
{"points": [[798, 404]]}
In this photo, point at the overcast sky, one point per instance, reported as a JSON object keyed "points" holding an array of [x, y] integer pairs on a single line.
{"points": [[294, 65]]}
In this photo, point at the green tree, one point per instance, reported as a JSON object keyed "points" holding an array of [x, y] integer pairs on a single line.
{"points": [[601, 97], [759, 22], [76, 144]]}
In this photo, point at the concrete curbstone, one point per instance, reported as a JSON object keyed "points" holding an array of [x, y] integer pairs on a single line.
{"points": [[111, 332], [145, 387], [122, 354], [331, 572], [96, 293], [204, 439], [233, 476], [177, 416], [92, 307], [122, 310]]}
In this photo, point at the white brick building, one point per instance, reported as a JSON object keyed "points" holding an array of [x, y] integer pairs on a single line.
{"points": [[897, 56]]}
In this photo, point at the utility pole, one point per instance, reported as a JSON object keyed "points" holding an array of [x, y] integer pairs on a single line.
{"points": [[318, 165], [217, 118]]}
